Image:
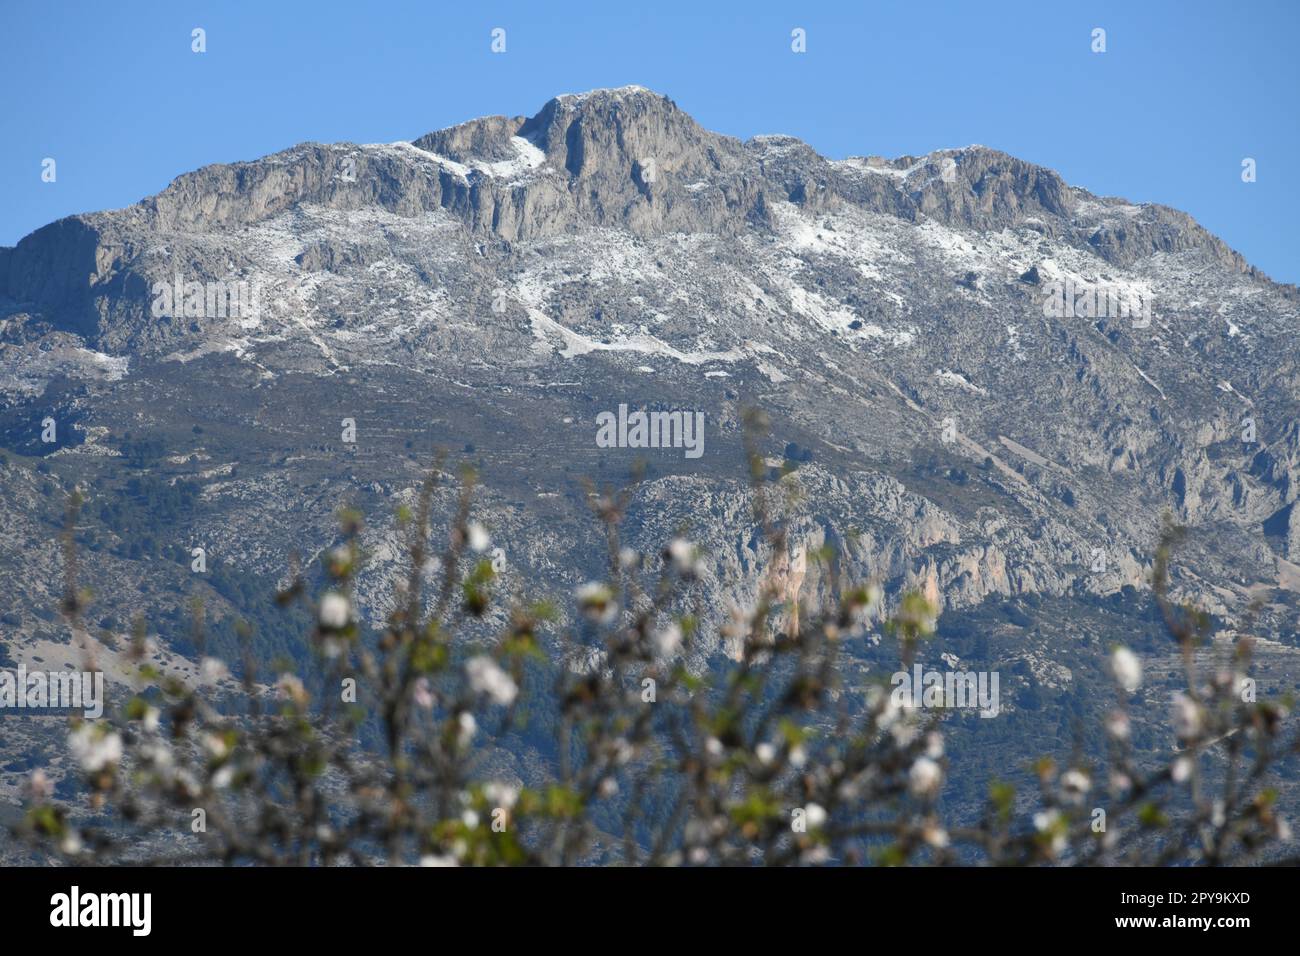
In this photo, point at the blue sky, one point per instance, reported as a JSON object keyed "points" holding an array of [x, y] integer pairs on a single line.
{"points": [[1184, 92]]}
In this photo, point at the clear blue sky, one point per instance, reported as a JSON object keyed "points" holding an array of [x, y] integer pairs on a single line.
{"points": [[1184, 92]]}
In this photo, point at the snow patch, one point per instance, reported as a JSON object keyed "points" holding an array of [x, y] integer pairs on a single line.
{"points": [[958, 379]]}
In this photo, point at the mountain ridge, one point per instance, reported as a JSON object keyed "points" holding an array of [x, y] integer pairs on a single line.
{"points": [[990, 189]]}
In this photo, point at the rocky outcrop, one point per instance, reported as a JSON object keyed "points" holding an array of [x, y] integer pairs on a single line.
{"points": [[488, 139]]}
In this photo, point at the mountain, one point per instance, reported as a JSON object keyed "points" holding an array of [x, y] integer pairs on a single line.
{"points": [[993, 384]]}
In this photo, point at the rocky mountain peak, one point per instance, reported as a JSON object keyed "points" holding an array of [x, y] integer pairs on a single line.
{"points": [[604, 133]]}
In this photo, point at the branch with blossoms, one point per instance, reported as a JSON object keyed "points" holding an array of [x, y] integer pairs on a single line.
{"points": [[767, 759]]}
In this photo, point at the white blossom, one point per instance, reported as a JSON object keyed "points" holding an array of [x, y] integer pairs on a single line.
{"points": [[501, 794], [597, 601], [212, 670], [479, 540], [1075, 784], [1052, 823], [815, 855], [334, 611], [884, 706], [1127, 668], [40, 786], [925, 777], [815, 815], [71, 843], [290, 687], [1186, 717], [94, 748], [216, 746], [904, 731], [466, 727], [622, 751], [935, 835], [486, 677], [422, 693], [667, 640], [159, 755], [685, 557]]}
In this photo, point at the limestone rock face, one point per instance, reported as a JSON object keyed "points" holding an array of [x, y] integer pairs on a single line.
{"points": [[487, 139]]}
